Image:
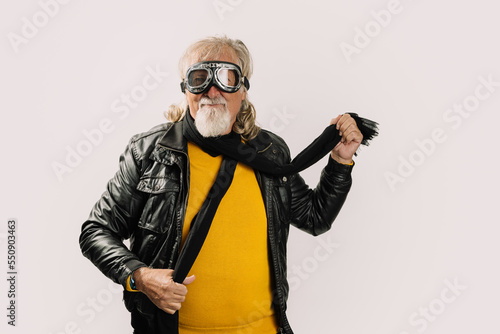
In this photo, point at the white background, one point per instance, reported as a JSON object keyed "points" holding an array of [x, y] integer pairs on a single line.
{"points": [[397, 244]]}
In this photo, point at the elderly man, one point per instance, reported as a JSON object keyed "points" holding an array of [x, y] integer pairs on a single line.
{"points": [[212, 194]]}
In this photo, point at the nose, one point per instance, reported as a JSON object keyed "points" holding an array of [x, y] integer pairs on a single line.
{"points": [[213, 92]]}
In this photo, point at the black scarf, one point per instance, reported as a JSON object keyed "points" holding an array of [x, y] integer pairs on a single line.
{"points": [[233, 150], [231, 146]]}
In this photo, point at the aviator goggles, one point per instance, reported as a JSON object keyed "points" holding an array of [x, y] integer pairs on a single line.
{"points": [[200, 77]]}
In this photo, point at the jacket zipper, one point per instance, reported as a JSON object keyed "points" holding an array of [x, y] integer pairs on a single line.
{"points": [[284, 320]]}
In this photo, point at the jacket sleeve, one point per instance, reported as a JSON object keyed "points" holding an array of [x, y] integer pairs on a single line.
{"points": [[314, 210], [113, 219]]}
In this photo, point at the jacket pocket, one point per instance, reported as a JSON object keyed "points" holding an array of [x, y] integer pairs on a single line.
{"points": [[162, 194]]}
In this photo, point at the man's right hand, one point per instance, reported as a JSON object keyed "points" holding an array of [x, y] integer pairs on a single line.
{"points": [[161, 289]]}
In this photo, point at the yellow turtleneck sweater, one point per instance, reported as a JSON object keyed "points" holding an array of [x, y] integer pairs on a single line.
{"points": [[232, 289]]}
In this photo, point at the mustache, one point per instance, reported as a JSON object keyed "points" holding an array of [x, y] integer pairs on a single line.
{"points": [[216, 100]]}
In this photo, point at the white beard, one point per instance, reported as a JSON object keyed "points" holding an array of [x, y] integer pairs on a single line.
{"points": [[212, 121]]}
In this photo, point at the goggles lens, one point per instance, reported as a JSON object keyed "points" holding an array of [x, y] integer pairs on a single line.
{"points": [[226, 76], [197, 78]]}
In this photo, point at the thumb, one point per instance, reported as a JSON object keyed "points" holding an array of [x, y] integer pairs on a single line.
{"points": [[335, 120], [188, 280]]}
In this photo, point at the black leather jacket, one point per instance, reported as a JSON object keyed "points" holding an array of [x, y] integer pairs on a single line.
{"points": [[146, 201]]}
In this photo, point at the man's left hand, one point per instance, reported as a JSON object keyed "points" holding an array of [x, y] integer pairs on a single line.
{"points": [[350, 141]]}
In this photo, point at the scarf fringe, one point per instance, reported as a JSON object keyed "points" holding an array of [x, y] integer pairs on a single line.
{"points": [[368, 128]]}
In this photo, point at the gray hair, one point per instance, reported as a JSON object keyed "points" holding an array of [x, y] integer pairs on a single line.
{"points": [[212, 48]]}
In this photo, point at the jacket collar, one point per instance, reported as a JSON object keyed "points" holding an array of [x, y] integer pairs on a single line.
{"points": [[167, 149], [173, 138]]}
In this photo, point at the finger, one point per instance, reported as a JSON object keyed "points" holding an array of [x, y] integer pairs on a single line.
{"points": [[344, 118], [355, 136], [348, 138], [346, 124], [170, 288], [178, 289], [171, 308], [174, 306], [168, 296], [167, 273], [188, 280], [335, 120], [173, 298], [346, 129]]}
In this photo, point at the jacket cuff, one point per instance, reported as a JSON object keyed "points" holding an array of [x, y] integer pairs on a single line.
{"points": [[131, 266], [334, 167]]}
